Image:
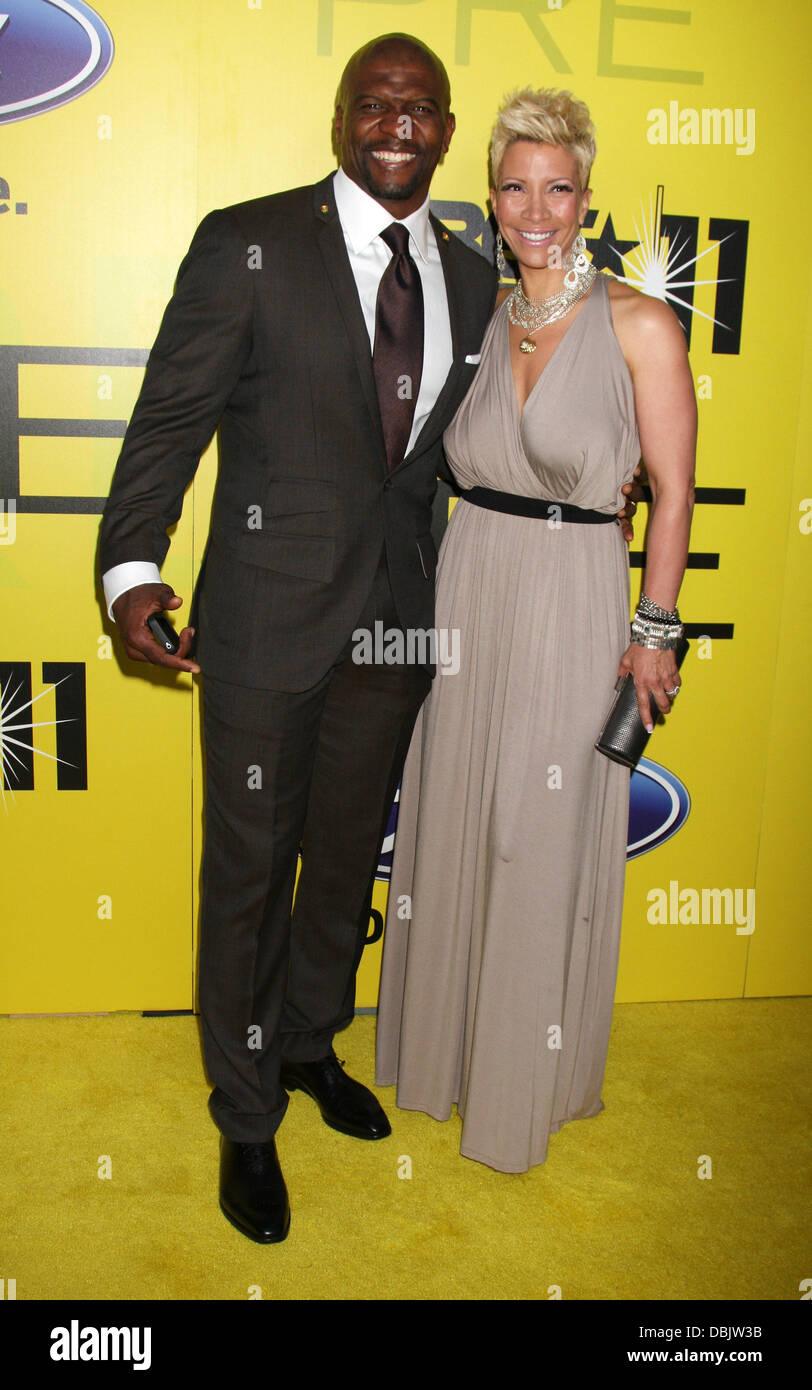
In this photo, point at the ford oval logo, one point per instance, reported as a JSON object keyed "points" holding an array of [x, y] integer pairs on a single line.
{"points": [[658, 807], [51, 51]]}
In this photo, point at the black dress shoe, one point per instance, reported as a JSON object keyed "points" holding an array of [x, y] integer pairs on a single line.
{"points": [[345, 1104], [253, 1196]]}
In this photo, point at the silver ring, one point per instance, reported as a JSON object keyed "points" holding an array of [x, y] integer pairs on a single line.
{"points": [[673, 692]]}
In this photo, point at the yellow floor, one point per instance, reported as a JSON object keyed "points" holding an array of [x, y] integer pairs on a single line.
{"points": [[617, 1212]]}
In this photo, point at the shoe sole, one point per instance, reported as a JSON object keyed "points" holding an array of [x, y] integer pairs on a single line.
{"points": [[244, 1230], [334, 1124]]}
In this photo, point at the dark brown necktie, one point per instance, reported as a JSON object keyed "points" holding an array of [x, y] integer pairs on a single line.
{"points": [[397, 357]]}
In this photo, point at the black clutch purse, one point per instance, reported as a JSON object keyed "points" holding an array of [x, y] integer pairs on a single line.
{"points": [[623, 736]]}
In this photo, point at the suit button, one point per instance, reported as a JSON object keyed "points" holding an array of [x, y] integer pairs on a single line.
{"points": [[389, 483]]}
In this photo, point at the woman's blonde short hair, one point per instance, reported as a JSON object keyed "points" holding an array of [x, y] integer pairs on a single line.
{"points": [[550, 118]]}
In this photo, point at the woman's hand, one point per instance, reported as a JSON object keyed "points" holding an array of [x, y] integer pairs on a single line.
{"points": [[654, 673]]}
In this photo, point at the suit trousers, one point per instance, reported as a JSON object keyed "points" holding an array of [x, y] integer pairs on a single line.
{"points": [[314, 771]]}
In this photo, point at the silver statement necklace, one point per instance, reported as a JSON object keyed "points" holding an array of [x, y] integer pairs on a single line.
{"points": [[533, 314]]}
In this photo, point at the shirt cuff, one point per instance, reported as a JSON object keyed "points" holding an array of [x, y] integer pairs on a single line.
{"points": [[128, 576]]}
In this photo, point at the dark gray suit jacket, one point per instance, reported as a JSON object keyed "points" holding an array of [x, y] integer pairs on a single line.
{"points": [[265, 338]]}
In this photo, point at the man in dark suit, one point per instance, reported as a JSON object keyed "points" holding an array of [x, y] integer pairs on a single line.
{"points": [[330, 332]]}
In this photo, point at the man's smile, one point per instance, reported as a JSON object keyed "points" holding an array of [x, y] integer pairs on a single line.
{"points": [[392, 157]]}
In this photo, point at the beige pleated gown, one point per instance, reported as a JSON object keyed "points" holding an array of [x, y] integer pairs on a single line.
{"points": [[497, 990]]}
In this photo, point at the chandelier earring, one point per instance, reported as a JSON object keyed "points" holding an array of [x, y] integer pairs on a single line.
{"points": [[575, 262], [501, 263]]}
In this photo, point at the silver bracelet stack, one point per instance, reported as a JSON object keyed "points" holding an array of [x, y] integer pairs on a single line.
{"points": [[655, 627]]}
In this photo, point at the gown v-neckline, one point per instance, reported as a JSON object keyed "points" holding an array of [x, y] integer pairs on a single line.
{"points": [[521, 409]]}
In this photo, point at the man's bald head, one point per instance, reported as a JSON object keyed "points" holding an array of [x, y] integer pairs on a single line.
{"points": [[394, 48]]}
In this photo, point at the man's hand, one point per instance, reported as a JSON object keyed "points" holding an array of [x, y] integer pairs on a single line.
{"points": [[633, 491], [131, 610]]}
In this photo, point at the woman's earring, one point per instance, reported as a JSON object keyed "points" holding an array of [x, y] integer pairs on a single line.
{"points": [[575, 262], [501, 263]]}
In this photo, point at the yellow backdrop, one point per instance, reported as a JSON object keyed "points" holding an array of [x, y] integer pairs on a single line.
{"points": [[208, 102]]}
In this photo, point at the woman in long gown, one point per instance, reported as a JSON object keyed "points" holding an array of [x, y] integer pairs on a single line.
{"points": [[505, 902]]}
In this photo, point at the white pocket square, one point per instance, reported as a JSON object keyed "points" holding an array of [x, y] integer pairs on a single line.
{"points": [[474, 359]]}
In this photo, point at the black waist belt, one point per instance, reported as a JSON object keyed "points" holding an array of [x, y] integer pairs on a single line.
{"points": [[517, 505]]}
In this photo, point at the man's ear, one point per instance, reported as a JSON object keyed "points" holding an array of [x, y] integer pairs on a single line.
{"points": [[450, 127], [338, 126]]}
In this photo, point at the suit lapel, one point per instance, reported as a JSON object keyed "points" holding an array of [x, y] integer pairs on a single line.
{"points": [[330, 239]]}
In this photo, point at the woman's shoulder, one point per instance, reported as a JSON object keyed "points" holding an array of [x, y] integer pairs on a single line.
{"points": [[642, 312], [640, 320]]}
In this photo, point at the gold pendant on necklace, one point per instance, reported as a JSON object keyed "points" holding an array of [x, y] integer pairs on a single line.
{"points": [[526, 345]]}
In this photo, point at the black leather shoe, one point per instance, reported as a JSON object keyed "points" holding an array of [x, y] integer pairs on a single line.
{"points": [[345, 1104], [253, 1196]]}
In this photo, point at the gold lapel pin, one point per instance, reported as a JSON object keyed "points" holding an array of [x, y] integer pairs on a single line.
{"points": [[325, 207], [445, 236]]}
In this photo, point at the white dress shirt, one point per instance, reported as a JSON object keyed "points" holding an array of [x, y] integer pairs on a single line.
{"points": [[362, 220]]}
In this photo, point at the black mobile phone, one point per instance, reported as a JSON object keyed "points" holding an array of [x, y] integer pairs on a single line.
{"points": [[163, 632]]}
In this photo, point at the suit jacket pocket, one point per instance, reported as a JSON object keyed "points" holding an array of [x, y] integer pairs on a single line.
{"points": [[294, 530], [303, 557]]}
